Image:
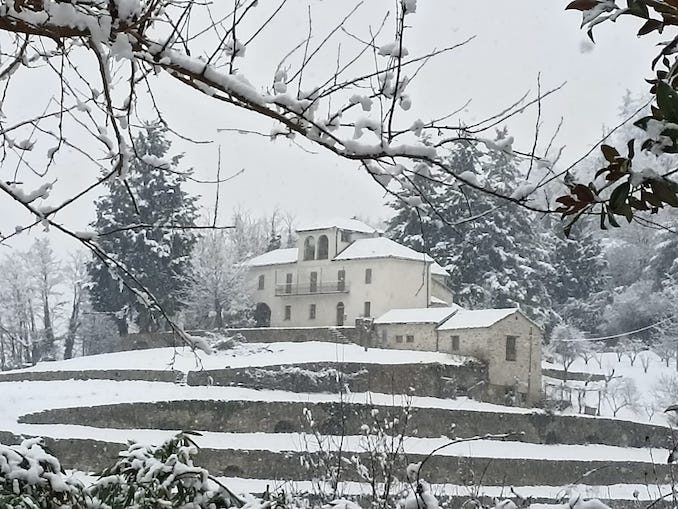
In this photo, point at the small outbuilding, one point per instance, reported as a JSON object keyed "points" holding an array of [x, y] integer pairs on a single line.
{"points": [[412, 329], [505, 339]]}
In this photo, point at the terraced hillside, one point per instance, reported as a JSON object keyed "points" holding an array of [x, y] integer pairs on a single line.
{"points": [[258, 432]]}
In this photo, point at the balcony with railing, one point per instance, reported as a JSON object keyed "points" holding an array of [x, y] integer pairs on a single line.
{"points": [[325, 287]]}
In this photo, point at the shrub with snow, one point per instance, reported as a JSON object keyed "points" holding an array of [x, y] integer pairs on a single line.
{"points": [[31, 478], [148, 477]]}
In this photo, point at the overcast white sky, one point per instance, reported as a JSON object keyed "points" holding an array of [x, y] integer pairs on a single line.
{"points": [[515, 41]]}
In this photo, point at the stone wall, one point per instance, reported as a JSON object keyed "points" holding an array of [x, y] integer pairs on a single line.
{"points": [[93, 374], [572, 375], [435, 380], [287, 417], [93, 456], [146, 340], [298, 334], [489, 344]]}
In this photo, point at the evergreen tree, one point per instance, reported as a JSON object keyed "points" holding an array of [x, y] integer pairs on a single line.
{"points": [[492, 249], [156, 252], [580, 291]]}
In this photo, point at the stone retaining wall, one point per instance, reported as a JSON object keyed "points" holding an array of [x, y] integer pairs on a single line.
{"points": [[434, 380], [92, 374], [298, 334], [287, 417], [93, 456], [572, 375]]}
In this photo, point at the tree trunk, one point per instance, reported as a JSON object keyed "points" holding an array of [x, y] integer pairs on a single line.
{"points": [[123, 328], [218, 319], [3, 362], [48, 347]]}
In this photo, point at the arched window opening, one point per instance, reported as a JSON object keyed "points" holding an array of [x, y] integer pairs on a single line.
{"points": [[323, 247], [309, 248]]}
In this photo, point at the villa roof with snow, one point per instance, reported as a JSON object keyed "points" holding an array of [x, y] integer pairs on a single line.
{"points": [[360, 249], [352, 225], [382, 247], [275, 257], [417, 315]]}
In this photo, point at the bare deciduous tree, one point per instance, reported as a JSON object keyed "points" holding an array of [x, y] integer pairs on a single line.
{"points": [[108, 61]]}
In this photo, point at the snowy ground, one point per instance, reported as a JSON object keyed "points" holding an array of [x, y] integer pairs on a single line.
{"points": [[608, 364], [244, 355], [20, 398], [640, 492]]}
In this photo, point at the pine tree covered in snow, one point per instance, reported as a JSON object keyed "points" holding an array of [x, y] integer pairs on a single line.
{"points": [[157, 251], [493, 250], [580, 290]]}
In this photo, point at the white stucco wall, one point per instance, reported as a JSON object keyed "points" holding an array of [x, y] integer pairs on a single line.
{"points": [[395, 284]]}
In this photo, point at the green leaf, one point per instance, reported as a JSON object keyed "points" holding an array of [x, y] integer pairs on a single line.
{"points": [[581, 5], [667, 101], [583, 193], [619, 196], [651, 199], [638, 8], [650, 26], [609, 153], [663, 190]]}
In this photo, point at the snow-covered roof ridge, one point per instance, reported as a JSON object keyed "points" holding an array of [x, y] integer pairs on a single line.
{"points": [[418, 315], [281, 256], [353, 225], [476, 318], [381, 247]]}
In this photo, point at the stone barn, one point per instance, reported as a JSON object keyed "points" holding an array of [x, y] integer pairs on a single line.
{"points": [[505, 339]]}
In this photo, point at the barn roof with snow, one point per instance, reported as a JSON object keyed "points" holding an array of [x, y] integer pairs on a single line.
{"points": [[476, 318]]}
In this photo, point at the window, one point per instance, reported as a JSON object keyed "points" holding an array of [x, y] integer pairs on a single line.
{"points": [[309, 248], [341, 280], [323, 247], [311, 312], [288, 283], [511, 348], [410, 338], [368, 276], [261, 282], [345, 236], [399, 339], [288, 312], [314, 282], [455, 343], [367, 309], [383, 336]]}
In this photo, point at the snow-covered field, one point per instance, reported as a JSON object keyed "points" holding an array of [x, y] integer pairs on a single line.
{"points": [[640, 492], [244, 355], [20, 398], [609, 365]]}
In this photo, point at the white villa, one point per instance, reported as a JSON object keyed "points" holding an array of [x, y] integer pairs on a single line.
{"points": [[342, 270]]}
